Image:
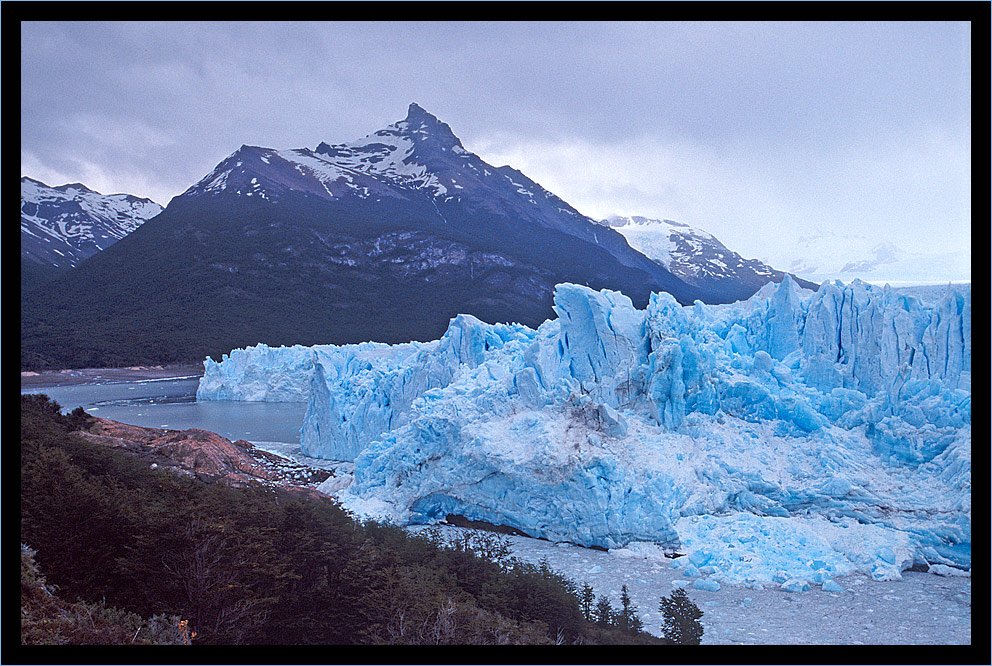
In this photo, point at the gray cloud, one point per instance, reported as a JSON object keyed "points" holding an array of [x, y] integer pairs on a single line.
{"points": [[756, 132]]}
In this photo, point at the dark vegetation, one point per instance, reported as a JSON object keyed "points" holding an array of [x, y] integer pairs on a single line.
{"points": [[261, 565], [34, 275], [681, 623], [209, 275], [47, 619]]}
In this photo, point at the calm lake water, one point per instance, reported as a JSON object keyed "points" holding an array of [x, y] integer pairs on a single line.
{"points": [[171, 403]]}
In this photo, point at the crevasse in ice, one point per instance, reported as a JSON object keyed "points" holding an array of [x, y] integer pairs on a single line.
{"points": [[794, 436]]}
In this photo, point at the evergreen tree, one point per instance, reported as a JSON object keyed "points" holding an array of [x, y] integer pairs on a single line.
{"points": [[605, 614], [681, 618], [586, 600], [636, 625], [627, 616]]}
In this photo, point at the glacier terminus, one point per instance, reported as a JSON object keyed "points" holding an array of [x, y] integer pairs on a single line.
{"points": [[783, 440]]}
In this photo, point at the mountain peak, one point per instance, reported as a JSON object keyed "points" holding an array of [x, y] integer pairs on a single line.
{"points": [[417, 112], [425, 125], [418, 117], [61, 226], [74, 186]]}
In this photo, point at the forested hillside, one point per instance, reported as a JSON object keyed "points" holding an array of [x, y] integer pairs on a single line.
{"points": [[262, 565]]}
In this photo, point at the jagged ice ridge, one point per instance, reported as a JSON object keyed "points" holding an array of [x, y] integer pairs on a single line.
{"points": [[789, 438]]}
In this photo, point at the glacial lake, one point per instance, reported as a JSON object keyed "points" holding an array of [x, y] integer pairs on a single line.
{"points": [[171, 403]]}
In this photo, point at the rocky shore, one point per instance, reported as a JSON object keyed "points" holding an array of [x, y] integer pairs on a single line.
{"points": [[206, 455]]}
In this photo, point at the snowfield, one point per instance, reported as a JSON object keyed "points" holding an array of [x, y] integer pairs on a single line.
{"points": [[789, 441]]}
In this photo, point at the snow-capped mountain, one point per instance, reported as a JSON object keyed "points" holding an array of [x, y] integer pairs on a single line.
{"points": [[61, 226], [417, 159], [385, 238], [833, 256], [695, 255]]}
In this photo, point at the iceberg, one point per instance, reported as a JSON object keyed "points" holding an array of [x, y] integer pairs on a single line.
{"points": [[794, 436]]}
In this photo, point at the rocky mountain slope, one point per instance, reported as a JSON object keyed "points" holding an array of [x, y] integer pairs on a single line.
{"points": [[61, 226], [385, 238], [697, 256]]}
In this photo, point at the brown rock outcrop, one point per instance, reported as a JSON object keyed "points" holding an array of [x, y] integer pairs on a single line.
{"points": [[201, 453]]}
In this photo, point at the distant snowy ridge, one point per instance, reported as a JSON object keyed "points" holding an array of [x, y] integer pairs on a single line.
{"points": [[830, 256], [61, 226], [659, 239], [692, 254], [837, 424]]}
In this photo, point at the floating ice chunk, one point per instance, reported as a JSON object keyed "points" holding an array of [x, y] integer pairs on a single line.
{"points": [[795, 585], [707, 584], [691, 570], [643, 550], [944, 570], [334, 484], [831, 586]]}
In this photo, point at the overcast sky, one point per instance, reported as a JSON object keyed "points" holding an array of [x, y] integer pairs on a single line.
{"points": [[756, 132]]}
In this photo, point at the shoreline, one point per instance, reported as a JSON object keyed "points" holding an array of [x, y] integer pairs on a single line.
{"points": [[70, 377]]}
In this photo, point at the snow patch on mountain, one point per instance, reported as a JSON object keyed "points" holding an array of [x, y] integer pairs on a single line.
{"points": [[690, 253], [63, 225], [658, 239]]}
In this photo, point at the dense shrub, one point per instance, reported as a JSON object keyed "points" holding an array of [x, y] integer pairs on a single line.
{"points": [[48, 620], [261, 565]]}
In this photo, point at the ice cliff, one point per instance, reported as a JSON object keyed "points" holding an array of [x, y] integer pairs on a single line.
{"points": [[791, 437]]}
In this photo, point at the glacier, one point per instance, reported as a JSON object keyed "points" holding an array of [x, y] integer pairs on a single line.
{"points": [[786, 439]]}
